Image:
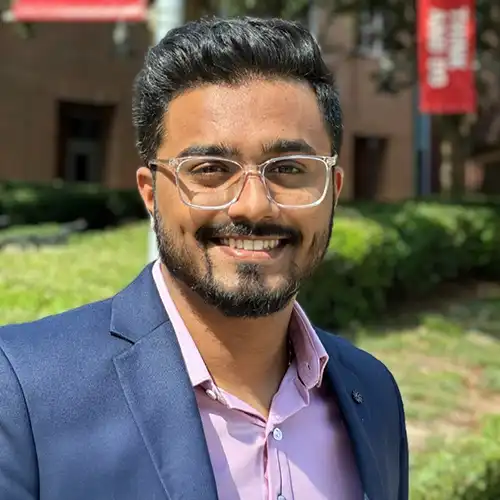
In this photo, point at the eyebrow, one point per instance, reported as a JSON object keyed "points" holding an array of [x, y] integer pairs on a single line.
{"points": [[279, 146], [209, 150]]}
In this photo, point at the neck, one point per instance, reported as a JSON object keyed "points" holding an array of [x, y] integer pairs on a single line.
{"points": [[246, 357]]}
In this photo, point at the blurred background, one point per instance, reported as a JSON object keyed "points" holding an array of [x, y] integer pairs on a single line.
{"points": [[413, 272]]}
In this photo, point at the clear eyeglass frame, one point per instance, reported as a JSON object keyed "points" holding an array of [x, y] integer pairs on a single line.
{"points": [[329, 162]]}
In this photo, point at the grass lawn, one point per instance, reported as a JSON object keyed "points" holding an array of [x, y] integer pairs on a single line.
{"points": [[36, 283], [447, 363], [446, 360]]}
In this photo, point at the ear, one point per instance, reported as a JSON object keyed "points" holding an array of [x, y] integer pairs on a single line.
{"points": [[338, 182], [144, 179]]}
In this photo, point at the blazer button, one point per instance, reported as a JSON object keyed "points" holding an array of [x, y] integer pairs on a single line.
{"points": [[357, 396]]}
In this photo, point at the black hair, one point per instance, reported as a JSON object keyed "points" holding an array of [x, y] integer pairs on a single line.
{"points": [[228, 51]]}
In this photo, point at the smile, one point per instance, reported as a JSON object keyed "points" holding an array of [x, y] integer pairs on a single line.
{"points": [[254, 245], [252, 249]]}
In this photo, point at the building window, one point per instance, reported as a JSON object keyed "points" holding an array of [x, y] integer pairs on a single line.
{"points": [[83, 139], [371, 24], [369, 166]]}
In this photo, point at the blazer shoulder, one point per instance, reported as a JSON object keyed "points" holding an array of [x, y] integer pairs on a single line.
{"points": [[94, 316], [60, 350]]}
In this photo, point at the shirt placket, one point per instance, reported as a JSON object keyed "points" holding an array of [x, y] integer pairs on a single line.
{"points": [[276, 464], [289, 401]]}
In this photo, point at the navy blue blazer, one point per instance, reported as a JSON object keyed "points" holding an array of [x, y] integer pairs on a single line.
{"points": [[96, 404]]}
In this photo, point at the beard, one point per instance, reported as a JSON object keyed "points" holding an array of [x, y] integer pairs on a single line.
{"points": [[251, 298]]}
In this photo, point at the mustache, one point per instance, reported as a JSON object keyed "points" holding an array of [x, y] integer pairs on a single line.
{"points": [[243, 228]]}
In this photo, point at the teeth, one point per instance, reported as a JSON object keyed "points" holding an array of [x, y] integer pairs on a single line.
{"points": [[252, 245]]}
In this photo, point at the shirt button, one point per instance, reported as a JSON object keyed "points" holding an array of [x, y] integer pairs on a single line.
{"points": [[278, 435], [280, 497], [211, 394]]}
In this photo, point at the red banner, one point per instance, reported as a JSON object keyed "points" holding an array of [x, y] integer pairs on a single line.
{"points": [[79, 10], [446, 51]]}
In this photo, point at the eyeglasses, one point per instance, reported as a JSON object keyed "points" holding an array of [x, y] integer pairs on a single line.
{"points": [[215, 183]]}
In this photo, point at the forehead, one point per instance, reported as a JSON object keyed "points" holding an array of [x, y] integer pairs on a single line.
{"points": [[245, 117]]}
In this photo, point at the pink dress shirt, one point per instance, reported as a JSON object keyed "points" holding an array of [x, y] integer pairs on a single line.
{"points": [[302, 451]]}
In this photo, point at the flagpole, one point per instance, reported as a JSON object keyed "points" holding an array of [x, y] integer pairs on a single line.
{"points": [[167, 15]]}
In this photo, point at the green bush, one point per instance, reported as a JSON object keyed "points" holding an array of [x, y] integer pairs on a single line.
{"points": [[380, 253], [468, 469], [26, 203], [353, 280], [389, 253]]}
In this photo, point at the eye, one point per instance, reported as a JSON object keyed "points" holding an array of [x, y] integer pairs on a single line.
{"points": [[286, 167], [209, 168]]}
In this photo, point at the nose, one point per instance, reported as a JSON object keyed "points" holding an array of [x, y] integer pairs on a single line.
{"points": [[253, 203]]}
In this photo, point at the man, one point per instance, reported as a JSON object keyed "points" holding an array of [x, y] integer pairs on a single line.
{"points": [[204, 378]]}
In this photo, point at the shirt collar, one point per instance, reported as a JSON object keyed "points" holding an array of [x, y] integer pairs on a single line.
{"points": [[310, 355], [196, 367]]}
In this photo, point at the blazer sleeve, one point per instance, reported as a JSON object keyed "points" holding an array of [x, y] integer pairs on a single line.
{"points": [[404, 469], [18, 463]]}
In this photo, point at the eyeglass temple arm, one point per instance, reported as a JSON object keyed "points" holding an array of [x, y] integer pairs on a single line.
{"points": [[153, 164]]}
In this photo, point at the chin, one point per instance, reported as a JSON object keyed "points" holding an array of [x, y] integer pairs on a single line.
{"points": [[232, 280]]}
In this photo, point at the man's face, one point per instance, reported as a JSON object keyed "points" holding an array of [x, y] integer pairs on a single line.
{"points": [[202, 248]]}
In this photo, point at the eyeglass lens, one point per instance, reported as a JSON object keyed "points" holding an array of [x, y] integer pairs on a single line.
{"points": [[289, 181]]}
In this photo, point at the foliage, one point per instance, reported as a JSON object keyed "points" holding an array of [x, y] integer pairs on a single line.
{"points": [[397, 63], [379, 253], [290, 9], [400, 43], [397, 70], [398, 253], [297, 10], [432, 364], [468, 469], [398, 34], [25, 203]]}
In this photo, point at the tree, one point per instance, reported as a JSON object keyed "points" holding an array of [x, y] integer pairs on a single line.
{"points": [[398, 70], [298, 10], [289, 9]]}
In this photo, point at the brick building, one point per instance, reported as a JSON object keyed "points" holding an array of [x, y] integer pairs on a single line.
{"points": [[65, 101]]}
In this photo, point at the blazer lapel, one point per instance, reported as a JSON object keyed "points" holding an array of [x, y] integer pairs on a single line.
{"points": [[159, 393], [345, 384]]}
